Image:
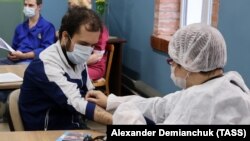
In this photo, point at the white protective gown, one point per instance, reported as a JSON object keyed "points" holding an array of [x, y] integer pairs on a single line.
{"points": [[224, 100]]}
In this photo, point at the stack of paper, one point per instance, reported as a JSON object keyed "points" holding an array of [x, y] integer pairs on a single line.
{"points": [[9, 77]]}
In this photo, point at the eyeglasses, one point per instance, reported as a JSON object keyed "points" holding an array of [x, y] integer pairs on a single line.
{"points": [[170, 61]]}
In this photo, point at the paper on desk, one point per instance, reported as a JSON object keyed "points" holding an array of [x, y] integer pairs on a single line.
{"points": [[9, 77], [5, 46]]}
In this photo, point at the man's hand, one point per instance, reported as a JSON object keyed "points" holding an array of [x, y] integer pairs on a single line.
{"points": [[15, 56], [95, 57], [18, 55], [97, 97]]}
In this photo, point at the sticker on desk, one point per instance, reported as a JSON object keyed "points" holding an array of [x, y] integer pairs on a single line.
{"points": [[9, 77], [74, 136]]}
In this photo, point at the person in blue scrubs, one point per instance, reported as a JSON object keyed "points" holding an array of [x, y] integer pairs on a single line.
{"points": [[30, 37]]}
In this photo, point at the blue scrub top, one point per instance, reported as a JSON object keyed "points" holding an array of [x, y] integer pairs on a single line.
{"points": [[34, 39]]}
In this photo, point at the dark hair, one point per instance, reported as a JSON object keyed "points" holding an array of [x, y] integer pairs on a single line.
{"points": [[77, 16], [38, 2]]}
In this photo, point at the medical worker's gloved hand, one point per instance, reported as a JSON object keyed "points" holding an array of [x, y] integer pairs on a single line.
{"points": [[97, 97]]}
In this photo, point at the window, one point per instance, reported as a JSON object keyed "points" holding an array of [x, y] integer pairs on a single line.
{"points": [[195, 12], [173, 14]]}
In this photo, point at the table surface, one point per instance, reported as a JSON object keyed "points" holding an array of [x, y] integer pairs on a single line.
{"points": [[40, 135], [18, 70]]}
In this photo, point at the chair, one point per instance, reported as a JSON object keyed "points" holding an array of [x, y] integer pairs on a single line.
{"points": [[104, 81], [15, 121]]}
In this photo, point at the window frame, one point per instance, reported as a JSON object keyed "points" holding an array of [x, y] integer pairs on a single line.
{"points": [[206, 12], [161, 44]]}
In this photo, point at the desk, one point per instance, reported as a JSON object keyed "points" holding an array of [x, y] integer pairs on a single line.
{"points": [[18, 70], [115, 81], [39, 135]]}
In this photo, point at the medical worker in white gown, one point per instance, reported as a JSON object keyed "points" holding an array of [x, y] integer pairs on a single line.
{"points": [[208, 96]]}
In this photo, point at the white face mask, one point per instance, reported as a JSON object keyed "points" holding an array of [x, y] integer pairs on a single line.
{"points": [[80, 54], [29, 12], [178, 81]]}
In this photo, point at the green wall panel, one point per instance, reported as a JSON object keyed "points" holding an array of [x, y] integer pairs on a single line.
{"points": [[10, 16]]}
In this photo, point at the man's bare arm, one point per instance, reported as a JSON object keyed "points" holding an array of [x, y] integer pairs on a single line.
{"points": [[102, 116]]}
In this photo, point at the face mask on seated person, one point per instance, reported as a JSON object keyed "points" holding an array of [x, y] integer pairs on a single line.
{"points": [[80, 54], [178, 81], [29, 12]]}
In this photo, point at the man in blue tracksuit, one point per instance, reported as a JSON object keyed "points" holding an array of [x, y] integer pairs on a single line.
{"points": [[52, 94]]}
